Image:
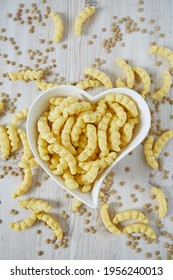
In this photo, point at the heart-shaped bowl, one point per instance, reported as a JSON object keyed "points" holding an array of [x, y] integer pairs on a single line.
{"points": [[41, 104]]}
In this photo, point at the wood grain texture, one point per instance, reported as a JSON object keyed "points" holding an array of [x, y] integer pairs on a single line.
{"points": [[71, 64]]}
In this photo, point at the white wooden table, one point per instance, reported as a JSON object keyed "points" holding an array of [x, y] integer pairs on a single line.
{"points": [[71, 63]]}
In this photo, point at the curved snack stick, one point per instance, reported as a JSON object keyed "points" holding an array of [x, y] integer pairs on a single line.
{"points": [[167, 81], [65, 154], [96, 116], [127, 133], [77, 108], [51, 147], [19, 116], [54, 113], [164, 52], [119, 111], [102, 134], [56, 127], [5, 146], [65, 135], [64, 163], [88, 83], [76, 204], [161, 141], [70, 181], [44, 129], [114, 135], [54, 161], [163, 205], [56, 101], [59, 27], [145, 79], [28, 164], [77, 130], [140, 227], [107, 221], [26, 183], [42, 148], [148, 152], [83, 16], [130, 215], [19, 226], [52, 223], [120, 83], [27, 153], [125, 101], [129, 74], [82, 143], [100, 76], [28, 75], [91, 175], [45, 86], [91, 145], [61, 166], [102, 163], [13, 136], [1, 105], [86, 188], [67, 102], [37, 205]]}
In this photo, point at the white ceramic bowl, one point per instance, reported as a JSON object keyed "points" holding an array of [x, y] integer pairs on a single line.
{"points": [[41, 104]]}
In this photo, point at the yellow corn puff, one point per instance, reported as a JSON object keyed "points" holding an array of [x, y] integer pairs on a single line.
{"points": [[19, 116], [130, 215], [37, 205], [163, 205], [145, 79], [64, 153], [26, 75], [76, 108], [125, 101], [76, 204], [129, 74], [27, 153], [45, 86], [161, 141], [114, 134], [107, 221], [26, 183], [13, 136], [1, 105], [65, 135], [167, 81], [70, 181], [59, 27], [5, 146], [148, 152], [102, 134], [140, 227], [100, 76], [91, 145], [19, 226], [52, 223], [119, 111], [54, 161], [164, 52], [42, 148], [88, 83], [28, 164], [44, 129], [83, 16]]}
